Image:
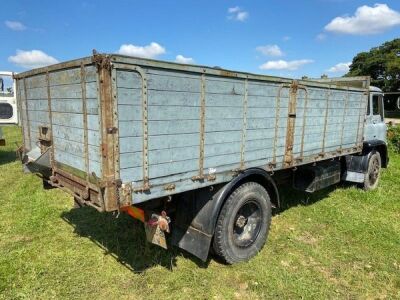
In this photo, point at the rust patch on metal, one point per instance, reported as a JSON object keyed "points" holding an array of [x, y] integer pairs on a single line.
{"points": [[125, 194], [228, 73], [169, 187]]}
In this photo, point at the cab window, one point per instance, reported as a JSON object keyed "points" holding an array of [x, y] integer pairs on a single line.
{"points": [[377, 106]]}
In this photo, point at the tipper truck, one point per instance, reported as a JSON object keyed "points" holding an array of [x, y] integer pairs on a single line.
{"points": [[195, 153]]}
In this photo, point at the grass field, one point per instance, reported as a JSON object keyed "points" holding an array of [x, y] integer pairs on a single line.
{"points": [[338, 244]]}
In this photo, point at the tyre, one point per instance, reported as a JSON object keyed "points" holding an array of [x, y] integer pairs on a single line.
{"points": [[243, 224], [373, 172]]}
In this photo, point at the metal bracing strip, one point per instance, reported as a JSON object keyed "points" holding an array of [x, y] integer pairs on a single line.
{"points": [[291, 123], [363, 112], [50, 119], [85, 121], [328, 94], [344, 118], [200, 176], [145, 121], [27, 115], [244, 126], [114, 90], [303, 130]]}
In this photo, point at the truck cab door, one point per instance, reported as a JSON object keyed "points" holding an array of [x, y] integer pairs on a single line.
{"points": [[8, 101], [375, 127]]}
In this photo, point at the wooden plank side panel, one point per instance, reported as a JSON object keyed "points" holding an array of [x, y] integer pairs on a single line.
{"points": [[67, 114], [174, 110]]}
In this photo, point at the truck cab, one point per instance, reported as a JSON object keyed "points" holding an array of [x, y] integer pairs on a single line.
{"points": [[375, 127], [8, 102]]}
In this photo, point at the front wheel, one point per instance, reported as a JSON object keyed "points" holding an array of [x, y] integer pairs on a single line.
{"points": [[372, 174], [243, 224]]}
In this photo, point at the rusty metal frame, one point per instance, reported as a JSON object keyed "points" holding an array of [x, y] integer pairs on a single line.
{"points": [[145, 123], [291, 123], [110, 184], [244, 126]]}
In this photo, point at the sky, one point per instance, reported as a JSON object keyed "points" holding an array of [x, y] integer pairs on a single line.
{"points": [[282, 38]]}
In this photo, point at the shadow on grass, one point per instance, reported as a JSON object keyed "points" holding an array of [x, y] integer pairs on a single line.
{"points": [[290, 197], [124, 239], [7, 157]]}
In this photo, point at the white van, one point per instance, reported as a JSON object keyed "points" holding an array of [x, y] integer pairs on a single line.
{"points": [[8, 102]]}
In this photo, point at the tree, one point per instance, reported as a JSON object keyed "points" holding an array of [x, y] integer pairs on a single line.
{"points": [[381, 63]]}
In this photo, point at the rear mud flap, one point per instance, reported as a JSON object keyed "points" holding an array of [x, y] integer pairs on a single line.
{"points": [[36, 162]]}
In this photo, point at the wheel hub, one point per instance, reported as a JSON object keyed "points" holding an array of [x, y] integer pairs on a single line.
{"points": [[241, 221], [247, 224]]}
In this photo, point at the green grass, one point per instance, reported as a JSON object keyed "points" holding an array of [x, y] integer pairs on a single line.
{"points": [[338, 243]]}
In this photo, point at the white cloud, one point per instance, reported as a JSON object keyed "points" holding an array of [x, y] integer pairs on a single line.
{"points": [[32, 59], [238, 14], [340, 68], [184, 60], [150, 51], [366, 20], [285, 65], [270, 50], [15, 25]]}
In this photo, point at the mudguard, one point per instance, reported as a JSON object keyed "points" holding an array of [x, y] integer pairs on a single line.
{"points": [[198, 211]]}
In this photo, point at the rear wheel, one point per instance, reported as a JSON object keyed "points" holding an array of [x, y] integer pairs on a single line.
{"points": [[243, 223], [372, 175]]}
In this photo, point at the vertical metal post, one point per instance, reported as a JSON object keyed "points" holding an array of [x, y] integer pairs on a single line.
{"points": [[328, 94], [200, 176], [244, 126], [27, 116], [291, 122], [50, 119], [303, 130], [344, 118], [85, 120], [277, 117], [108, 137]]}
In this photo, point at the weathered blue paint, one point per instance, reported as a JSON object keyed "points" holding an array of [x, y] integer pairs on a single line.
{"points": [[242, 118]]}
